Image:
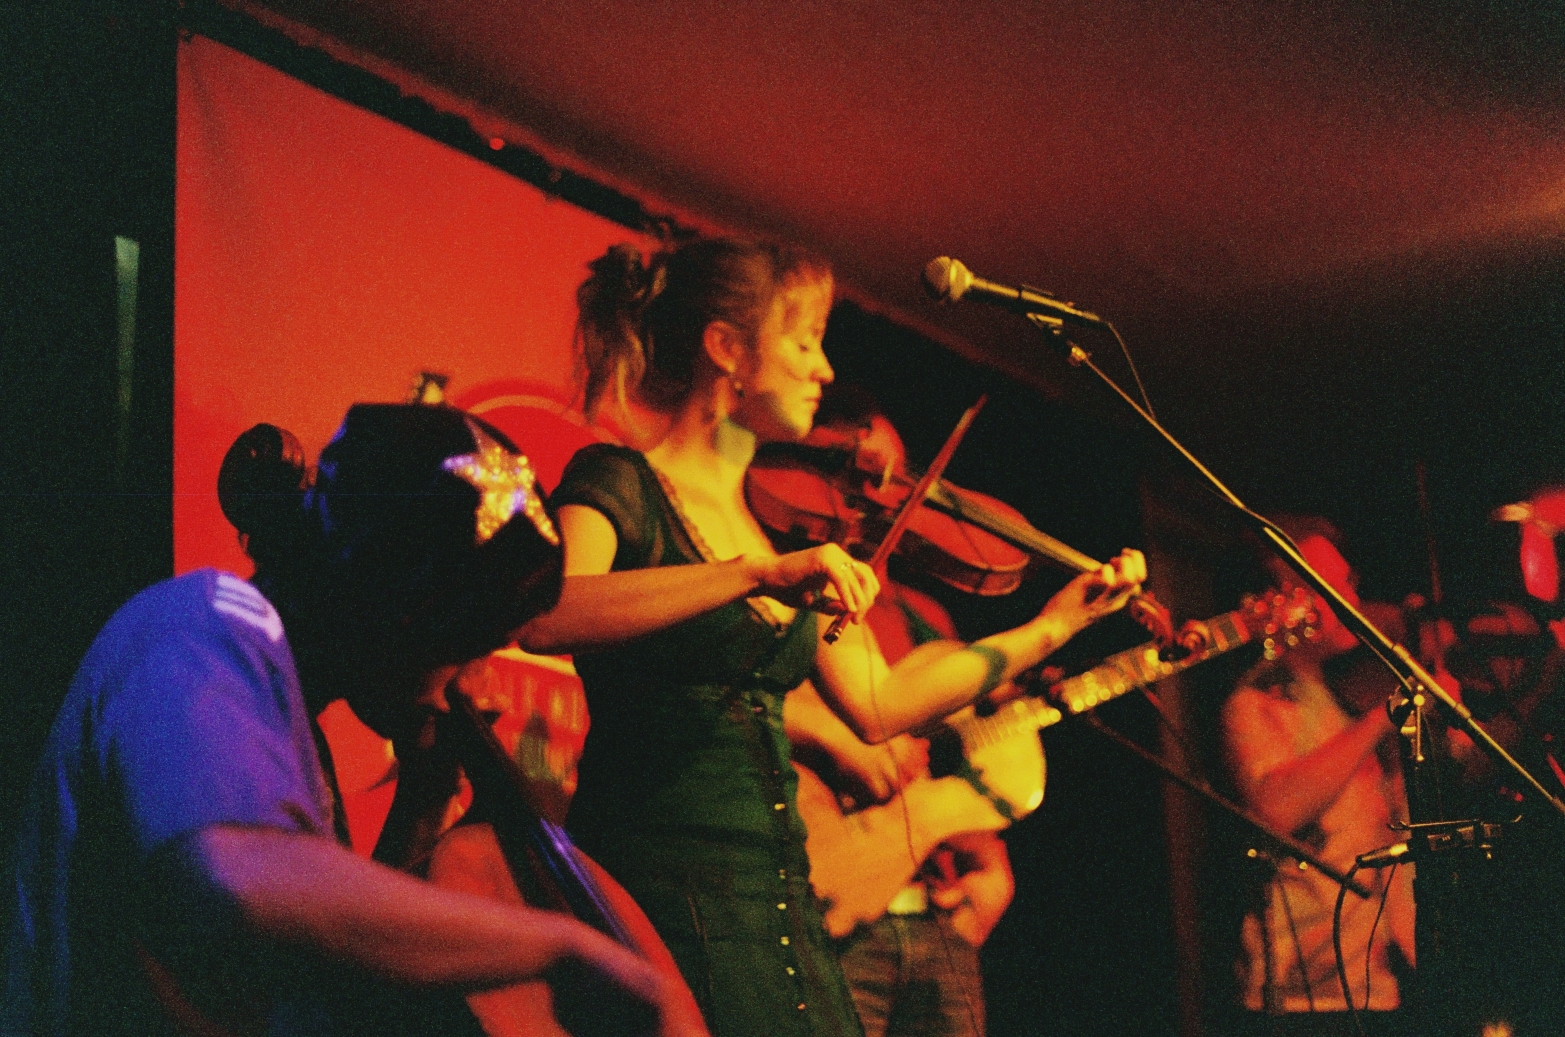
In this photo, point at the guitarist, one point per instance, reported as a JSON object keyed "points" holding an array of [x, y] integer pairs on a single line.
{"points": [[914, 970], [177, 870], [1306, 760]]}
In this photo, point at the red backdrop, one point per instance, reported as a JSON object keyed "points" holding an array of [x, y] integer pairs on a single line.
{"points": [[325, 255]]}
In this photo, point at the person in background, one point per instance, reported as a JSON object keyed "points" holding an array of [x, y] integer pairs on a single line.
{"points": [[1311, 765], [915, 969], [688, 628], [177, 870], [1501, 922]]}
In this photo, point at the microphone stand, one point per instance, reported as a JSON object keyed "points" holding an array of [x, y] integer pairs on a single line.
{"points": [[1407, 705], [1282, 845], [1418, 685]]}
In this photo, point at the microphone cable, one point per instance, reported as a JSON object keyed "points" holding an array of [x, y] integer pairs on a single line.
{"points": [[1336, 946], [1125, 351], [1369, 945]]}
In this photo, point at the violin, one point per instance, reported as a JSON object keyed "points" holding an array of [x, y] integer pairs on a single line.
{"points": [[818, 492]]}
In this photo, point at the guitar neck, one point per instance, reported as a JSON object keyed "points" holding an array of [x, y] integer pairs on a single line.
{"points": [[1276, 615], [1138, 667]]}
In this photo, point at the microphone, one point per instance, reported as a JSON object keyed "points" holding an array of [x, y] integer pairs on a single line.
{"points": [[1438, 837], [1385, 856], [1518, 512], [948, 280]]}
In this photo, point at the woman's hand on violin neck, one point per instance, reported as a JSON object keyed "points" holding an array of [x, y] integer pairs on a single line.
{"points": [[1093, 595], [823, 578]]}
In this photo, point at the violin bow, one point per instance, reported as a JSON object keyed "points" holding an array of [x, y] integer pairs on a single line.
{"points": [[931, 476]]}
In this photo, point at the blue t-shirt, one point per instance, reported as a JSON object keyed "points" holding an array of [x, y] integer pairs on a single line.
{"points": [[185, 713]]}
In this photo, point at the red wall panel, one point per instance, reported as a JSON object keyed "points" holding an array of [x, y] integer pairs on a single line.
{"points": [[325, 255]]}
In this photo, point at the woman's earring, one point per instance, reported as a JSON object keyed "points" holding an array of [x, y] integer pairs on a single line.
{"points": [[733, 380]]}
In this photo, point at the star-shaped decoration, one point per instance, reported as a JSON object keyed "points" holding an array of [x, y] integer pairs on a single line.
{"points": [[505, 484]]}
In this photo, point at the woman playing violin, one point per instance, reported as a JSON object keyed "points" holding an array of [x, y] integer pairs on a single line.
{"points": [[689, 628]]}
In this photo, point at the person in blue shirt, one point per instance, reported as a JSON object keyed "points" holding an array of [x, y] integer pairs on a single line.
{"points": [[177, 870]]}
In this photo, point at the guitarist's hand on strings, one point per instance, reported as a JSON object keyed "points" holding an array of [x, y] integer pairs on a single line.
{"points": [[882, 770], [863, 774]]}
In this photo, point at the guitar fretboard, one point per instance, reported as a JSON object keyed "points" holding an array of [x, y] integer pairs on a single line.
{"points": [[1019, 716], [1270, 616], [1141, 666]]}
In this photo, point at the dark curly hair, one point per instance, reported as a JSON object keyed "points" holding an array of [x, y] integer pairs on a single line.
{"points": [[382, 544]]}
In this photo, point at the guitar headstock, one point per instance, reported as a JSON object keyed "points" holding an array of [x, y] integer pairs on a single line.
{"points": [[1281, 619], [1278, 619]]}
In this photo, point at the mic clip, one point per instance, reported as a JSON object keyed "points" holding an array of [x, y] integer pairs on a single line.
{"points": [[1053, 325], [1438, 837]]}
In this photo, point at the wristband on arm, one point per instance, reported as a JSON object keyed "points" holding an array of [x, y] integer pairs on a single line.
{"points": [[997, 663]]}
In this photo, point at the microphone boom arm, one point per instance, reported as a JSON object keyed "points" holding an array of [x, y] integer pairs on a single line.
{"points": [[1415, 680]]}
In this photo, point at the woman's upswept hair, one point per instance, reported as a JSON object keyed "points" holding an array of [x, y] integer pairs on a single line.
{"points": [[640, 322]]}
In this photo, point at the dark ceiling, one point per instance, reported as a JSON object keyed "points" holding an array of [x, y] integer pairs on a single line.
{"points": [[1330, 230]]}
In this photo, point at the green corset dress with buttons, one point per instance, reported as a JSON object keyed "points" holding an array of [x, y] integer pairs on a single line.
{"points": [[686, 792]]}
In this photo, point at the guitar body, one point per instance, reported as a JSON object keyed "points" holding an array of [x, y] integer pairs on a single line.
{"points": [[468, 858], [1004, 762], [987, 772], [859, 860]]}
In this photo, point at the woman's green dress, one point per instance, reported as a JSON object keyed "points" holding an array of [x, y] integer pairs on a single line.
{"points": [[686, 792]]}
